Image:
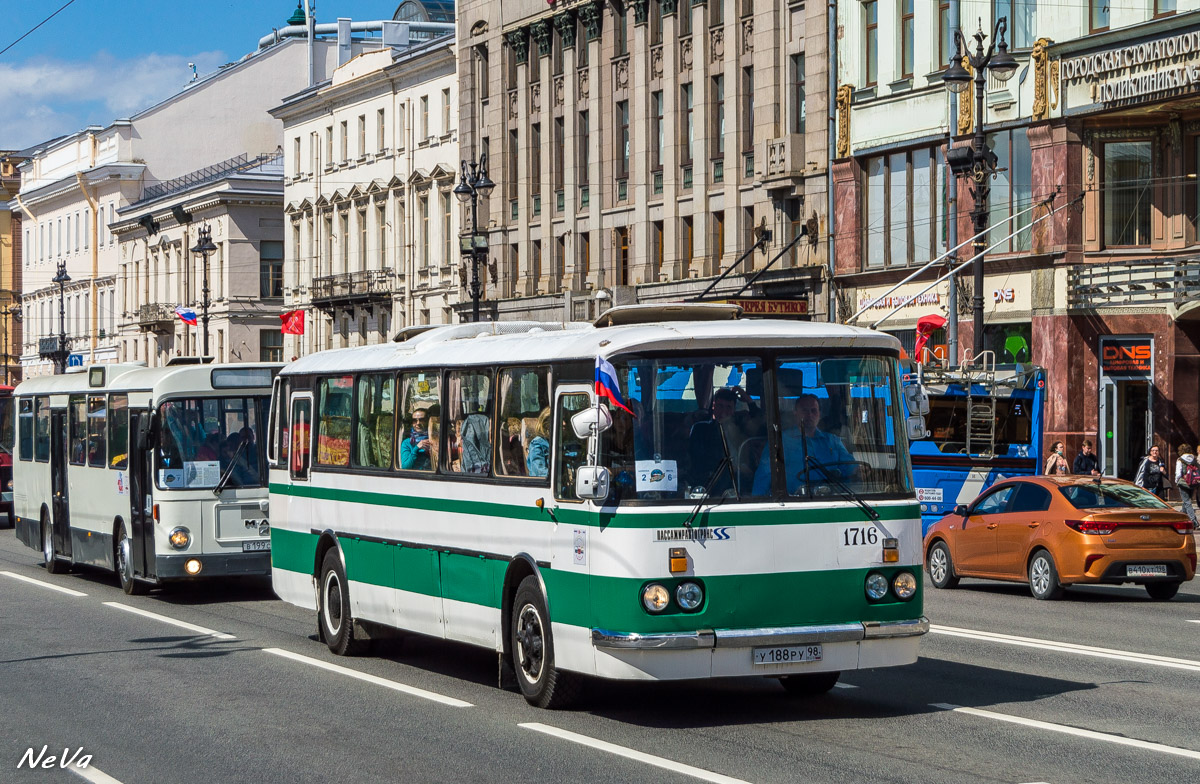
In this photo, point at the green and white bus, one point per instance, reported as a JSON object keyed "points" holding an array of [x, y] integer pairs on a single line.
{"points": [[154, 473], [465, 482]]}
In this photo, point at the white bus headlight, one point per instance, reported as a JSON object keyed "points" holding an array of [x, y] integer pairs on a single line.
{"points": [[905, 585], [877, 585], [180, 538], [690, 596], [655, 597]]}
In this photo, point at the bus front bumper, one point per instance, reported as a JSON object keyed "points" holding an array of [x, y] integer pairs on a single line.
{"points": [[746, 638], [172, 567]]}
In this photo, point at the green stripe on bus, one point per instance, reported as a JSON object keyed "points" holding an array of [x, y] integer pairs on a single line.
{"points": [[790, 515], [581, 599]]}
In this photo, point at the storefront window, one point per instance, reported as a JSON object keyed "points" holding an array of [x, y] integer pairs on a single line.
{"points": [[1012, 191], [895, 235], [1010, 342], [1127, 193]]}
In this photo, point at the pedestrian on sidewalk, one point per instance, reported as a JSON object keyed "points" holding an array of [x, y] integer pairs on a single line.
{"points": [[1151, 471], [1086, 462], [1187, 477], [1056, 463]]}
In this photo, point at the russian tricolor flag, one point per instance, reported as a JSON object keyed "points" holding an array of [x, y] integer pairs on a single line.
{"points": [[187, 314], [607, 385]]}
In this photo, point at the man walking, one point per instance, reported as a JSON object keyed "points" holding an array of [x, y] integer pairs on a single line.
{"points": [[1086, 462]]}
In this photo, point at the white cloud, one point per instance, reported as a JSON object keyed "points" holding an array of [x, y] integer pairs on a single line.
{"points": [[44, 97]]}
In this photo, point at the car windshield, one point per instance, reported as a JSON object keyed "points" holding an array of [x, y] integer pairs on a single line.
{"points": [[202, 438], [1100, 496], [698, 428]]}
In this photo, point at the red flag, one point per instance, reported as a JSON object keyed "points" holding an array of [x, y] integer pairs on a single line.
{"points": [[926, 326], [293, 322]]}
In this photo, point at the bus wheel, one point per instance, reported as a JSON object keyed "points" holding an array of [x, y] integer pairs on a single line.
{"points": [[334, 608], [123, 561], [941, 568], [53, 565], [533, 651], [809, 684]]}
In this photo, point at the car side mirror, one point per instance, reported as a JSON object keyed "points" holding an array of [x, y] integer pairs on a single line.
{"points": [[961, 510], [591, 482]]}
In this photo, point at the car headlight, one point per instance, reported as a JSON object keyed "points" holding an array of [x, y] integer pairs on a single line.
{"points": [[877, 585], [904, 585], [180, 538], [690, 596], [655, 597]]}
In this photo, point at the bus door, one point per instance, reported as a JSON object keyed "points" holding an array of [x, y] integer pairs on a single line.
{"points": [[141, 494], [59, 485]]}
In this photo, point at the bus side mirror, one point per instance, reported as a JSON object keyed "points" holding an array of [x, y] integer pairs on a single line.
{"points": [[591, 482], [591, 421], [916, 427], [147, 434], [917, 399]]}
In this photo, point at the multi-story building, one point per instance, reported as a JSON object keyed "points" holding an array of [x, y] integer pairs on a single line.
{"points": [[640, 147], [1102, 112], [10, 266], [372, 230]]}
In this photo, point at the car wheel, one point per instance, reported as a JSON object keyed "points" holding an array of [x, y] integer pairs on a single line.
{"points": [[1161, 592], [941, 568], [543, 685], [1043, 577], [809, 684], [334, 608]]}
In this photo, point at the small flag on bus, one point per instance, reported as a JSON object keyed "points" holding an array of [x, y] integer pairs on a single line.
{"points": [[187, 314], [607, 385]]}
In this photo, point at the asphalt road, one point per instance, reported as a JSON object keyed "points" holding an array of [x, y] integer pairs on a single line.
{"points": [[1099, 687]]}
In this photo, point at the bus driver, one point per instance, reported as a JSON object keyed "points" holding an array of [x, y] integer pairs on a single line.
{"points": [[827, 456]]}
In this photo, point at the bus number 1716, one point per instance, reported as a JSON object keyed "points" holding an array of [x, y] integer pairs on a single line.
{"points": [[856, 536]]}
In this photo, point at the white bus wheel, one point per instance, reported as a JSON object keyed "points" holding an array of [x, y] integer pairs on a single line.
{"points": [[334, 608], [533, 651], [123, 563]]}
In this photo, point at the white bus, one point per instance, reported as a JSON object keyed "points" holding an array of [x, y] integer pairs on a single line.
{"points": [[452, 484], [155, 473]]}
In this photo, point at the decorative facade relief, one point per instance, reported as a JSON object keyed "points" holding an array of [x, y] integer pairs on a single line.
{"points": [[565, 22], [540, 31], [558, 91], [621, 74], [518, 40], [966, 103], [748, 35], [535, 98], [717, 44], [583, 84], [656, 62], [1045, 80], [845, 94]]}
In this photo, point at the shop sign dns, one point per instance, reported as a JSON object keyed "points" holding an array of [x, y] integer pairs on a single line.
{"points": [[1127, 356]]}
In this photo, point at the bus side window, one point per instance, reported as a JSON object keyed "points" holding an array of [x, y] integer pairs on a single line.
{"points": [[469, 398], [570, 451], [523, 444], [301, 417], [333, 434], [97, 424], [25, 426], [77, 424], [279, 410], [41, 445], [420, 422], [375, 420], [118, 431]]}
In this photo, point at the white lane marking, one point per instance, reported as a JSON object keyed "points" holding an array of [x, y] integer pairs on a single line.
{"points": [[844, 686], [181, 624], [94, 775], [42, 584], [639, 756], [1076, 731], [1070, 647], [1193, 621], [374, 679]]}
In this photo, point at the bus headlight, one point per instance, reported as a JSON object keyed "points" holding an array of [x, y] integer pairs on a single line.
{"points": [[690, 596], [655, 597], [877, 586], [180, 538], [905, 585]]}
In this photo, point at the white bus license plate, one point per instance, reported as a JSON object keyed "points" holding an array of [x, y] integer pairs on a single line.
{"points": [[1144, 570], [787, 654], [256, 545]]}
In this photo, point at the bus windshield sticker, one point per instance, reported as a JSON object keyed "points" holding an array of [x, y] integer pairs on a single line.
{"points": [[657, 475], [202, 473]]}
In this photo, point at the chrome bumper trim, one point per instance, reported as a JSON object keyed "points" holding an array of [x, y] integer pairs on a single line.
{"points": [[877, 630], [789, 635], [603, 638]]}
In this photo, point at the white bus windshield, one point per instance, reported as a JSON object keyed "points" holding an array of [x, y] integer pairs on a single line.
{"points": [[203, 438], [697, 427]]}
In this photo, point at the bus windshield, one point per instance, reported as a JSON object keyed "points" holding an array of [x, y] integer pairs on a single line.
{"points": [[202, 438], [698, 427], [7, 424]]}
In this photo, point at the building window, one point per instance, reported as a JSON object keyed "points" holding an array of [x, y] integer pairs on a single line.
{"points": [[718, 238], [656, 23], [328, 260], [906, 38], [423, 206], [446, 111], [296, 157], [1098, 14], [424, 118], [904, 219], [689, 242], [871, 40], [447, 228], [1012, 191], [381, 233], [945, 34], [1022, 20], [345, 140], [621, 273], [686, 107], [513, 163], [381, 129], [718, 118], [559, 152], [329, 144], [716, 12], [481, 72], [344, 239], [656, 238], [584, 147], [657, 131], [362, 238], [684, 15], [535, 264], [797, 110], [621, 44], [270, 265], [362, 135], [584, 267], [535, 160], [1127, 193], [622, 139], [748, 110], [1164, 7], [270, 345]]}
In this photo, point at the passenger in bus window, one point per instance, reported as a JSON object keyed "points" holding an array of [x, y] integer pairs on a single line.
{"points": [[705, 449], [827, 457], [416, 450], [476, 444], [537, 462]]}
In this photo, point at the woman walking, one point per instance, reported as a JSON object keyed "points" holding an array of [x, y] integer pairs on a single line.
{"points": [[1056, 463], [1150, 472], [1187, 476]]}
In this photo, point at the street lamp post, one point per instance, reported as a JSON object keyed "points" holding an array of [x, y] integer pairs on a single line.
{"points": [[474, 183], [60, 354], [11, 314], [204, 246], [977, 159]]}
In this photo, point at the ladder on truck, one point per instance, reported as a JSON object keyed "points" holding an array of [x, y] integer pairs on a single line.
{"points": [[980, 372]]}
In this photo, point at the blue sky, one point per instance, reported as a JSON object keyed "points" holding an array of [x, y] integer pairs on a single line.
{"points": [[100, 60]]}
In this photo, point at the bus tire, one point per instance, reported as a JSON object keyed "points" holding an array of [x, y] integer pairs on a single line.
{"points": [[809, 684], [533, 651], [941, 567], [1043, 576], [333, 609], [51, 562], [123, 563]]}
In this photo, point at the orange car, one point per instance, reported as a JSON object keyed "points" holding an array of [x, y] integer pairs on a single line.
{"points": [[1057, 531]]}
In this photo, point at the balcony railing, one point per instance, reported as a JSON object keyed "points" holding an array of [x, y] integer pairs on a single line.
{"points": [[156, 316], [1174, 281], [353, 288]]}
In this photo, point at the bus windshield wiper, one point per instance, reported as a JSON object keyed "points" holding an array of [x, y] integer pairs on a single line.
{"points": [[220, 485], [843, 488], [725, 464]]}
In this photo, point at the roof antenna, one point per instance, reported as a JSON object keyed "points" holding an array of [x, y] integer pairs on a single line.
{"points": [[195, 75]]}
